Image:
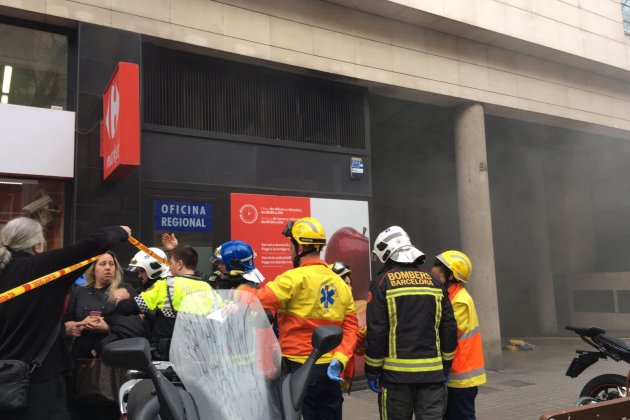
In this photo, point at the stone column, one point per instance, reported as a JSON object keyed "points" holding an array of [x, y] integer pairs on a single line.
{"points": [[540, 253], [473, 193]]}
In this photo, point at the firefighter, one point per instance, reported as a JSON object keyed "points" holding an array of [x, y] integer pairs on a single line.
{"points": [[306, 297], [237, 264], [343, 270], [217, 279], [165, 295], [411, 332], [453, 269]]}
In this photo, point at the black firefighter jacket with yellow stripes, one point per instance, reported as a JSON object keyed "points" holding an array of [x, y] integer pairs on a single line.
{"points": [[411, 329]]}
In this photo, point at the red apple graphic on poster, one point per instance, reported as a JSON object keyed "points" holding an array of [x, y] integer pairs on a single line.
{"points": [[353, 248]]}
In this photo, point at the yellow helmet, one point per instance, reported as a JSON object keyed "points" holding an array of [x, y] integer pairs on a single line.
{"points": [[458, 263], [306, 231]]}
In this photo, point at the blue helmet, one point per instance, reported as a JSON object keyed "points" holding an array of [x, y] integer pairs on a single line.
{"points": [[237, 255]]}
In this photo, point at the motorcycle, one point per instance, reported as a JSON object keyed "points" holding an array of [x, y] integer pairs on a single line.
{"points": [[603, 387], [226, 363]]}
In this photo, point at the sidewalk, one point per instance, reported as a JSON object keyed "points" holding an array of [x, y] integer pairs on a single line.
{"points": [[531, 383]]}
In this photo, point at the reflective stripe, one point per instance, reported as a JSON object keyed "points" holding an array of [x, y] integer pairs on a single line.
{"points": [[413, 365], [373, 362], [393, 323], [142, 304], [384, 404], [244, 359], [168, 310], [467, 375], [469, 334], [168, 313], [448, 356], [311, 224], [438, 319], [392, 236], [410, 291]]}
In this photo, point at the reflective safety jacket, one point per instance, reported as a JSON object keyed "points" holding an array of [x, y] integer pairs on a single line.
{"points": [[468, 366], [167, 294], [305, 298], [411, 330]]}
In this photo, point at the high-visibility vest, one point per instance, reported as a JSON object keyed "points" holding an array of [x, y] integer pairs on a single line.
{"points": [[468, 366]]}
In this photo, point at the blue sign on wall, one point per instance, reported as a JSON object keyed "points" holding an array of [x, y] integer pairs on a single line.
{"points": [[182, 216]]}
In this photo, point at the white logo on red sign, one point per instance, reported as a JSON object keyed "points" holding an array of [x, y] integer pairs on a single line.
{"points": [[248, 214], [111, 115]]}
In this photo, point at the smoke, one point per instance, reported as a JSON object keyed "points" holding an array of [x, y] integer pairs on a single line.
{"points": [[560, 205]]}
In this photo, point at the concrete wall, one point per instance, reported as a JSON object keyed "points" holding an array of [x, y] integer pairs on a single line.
{"points": [[592, 29], [404, 59]]}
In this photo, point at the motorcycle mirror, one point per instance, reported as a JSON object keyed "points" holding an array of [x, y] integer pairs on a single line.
{"points": [[326, 338], [130, 353]]}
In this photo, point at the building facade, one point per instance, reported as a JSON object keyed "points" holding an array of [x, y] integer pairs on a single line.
{"points": [[498, 127]]}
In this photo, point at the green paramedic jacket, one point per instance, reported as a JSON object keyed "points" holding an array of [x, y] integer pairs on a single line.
{"points": [[411, 329]]}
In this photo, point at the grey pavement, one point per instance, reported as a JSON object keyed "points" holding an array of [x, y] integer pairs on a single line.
{"points": [[531, 383]]}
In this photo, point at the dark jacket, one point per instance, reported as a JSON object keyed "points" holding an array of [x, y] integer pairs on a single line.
{"points": [[26, 320], [82, 301], [411, 329]]}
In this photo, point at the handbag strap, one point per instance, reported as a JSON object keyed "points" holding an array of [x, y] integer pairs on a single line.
{"points": [[39, 359]]}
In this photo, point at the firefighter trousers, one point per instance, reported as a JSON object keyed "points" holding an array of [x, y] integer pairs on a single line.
{"points": [[402, 401]]}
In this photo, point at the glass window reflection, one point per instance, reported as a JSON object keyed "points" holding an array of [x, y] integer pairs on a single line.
{"points": [[33, 67]]}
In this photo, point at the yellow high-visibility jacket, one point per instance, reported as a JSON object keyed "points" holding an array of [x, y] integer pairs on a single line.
{"points": [[468, 364], [305, 298]]}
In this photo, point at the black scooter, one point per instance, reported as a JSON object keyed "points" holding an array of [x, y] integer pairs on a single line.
{"points": [[603, 387], [161, 397]]}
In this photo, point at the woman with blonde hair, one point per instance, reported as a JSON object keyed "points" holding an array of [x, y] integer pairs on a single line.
{"points": [[89, 323], [88, 304]]}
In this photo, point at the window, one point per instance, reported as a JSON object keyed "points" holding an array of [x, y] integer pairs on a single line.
{"points": [[625, 14], [42, 200], [33, 67]]}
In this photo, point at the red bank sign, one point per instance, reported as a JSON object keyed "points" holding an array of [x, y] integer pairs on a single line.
{"points": [[120, 128]]}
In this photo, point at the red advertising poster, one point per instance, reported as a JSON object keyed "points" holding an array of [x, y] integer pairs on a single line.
{"points": [[120, 129], [260, 219]]}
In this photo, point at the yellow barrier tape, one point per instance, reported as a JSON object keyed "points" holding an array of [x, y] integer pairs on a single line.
{"points": [[16, 291], [144, 248]]}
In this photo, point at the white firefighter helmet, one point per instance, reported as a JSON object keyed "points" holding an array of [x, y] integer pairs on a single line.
{"points": [[154, 268], [394, 243]]}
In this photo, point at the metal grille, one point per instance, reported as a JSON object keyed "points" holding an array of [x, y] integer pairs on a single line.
{"points": [[213, 95]]}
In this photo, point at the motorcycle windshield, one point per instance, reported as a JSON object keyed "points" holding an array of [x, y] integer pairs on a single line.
{"points": [[227, 356]]}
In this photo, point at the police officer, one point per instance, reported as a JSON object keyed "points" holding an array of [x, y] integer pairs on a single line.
{"points": [[148, 268], [165, 296], [411, 332], [305, 297]]}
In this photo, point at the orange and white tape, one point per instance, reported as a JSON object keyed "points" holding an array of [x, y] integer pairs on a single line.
{"points": [[17, 291]]}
